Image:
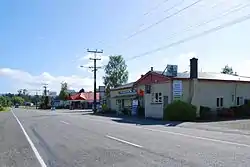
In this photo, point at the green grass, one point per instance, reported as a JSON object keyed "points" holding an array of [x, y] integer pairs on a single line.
{"points": [[5, 109]]}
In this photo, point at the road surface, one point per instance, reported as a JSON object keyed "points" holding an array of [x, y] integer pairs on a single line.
{"points": [[33, 138]]}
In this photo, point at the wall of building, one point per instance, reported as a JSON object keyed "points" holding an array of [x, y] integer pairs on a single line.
{"points": [[155, 109], [209, 91]]}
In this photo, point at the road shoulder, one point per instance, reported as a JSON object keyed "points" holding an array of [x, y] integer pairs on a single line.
{"points": [[14, 148]]}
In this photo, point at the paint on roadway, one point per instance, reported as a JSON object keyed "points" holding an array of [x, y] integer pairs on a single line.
{"points": [[96, 141], [15, 150]]}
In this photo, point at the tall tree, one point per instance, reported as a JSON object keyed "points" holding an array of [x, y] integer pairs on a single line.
{"points": [[64, 91], [227, 70], [116, 72]]}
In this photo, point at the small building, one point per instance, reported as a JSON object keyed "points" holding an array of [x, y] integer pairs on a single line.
{"points": [[213, 90], [83, 100], [121, 97]]}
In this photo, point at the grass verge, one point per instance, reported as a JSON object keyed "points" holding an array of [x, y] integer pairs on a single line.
{"points": [[4, 109]]}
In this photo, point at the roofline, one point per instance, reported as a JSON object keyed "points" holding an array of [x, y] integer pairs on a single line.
{"points": [[124, 87], [213, 80]]}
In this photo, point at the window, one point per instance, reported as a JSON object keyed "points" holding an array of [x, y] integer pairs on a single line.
{"points": [[156, 97], [118, 102], [219, 102], [148, 89], [239, 101]]}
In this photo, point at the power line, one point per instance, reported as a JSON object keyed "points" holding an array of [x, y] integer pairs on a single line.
{"points": [[165, 18], [152, 10], [232, 10], [175, 5], [228, 24], [155, 7], [95, 69]]}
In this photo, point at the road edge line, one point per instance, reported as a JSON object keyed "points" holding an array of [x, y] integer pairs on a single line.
{"points": [[38, 156]]}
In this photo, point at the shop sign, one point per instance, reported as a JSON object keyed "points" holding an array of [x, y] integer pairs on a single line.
{"points": [[177, 90], [125, 92]]}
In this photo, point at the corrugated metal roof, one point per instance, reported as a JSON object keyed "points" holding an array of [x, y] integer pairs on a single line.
{"points": [[212, 76], [128, 85]]}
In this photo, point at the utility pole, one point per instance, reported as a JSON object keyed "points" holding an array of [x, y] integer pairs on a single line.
{"points": [[45, 86], [95, 69]]}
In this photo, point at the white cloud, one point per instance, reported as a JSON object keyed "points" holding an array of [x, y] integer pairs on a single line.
{"points": [[22, 79]]}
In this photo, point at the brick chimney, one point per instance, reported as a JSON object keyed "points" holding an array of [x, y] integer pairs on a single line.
{"points": [[152, 68]]}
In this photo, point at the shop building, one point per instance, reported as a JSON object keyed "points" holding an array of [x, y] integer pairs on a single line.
{"points": [[214, 90], [160, 88], [121, 97]]}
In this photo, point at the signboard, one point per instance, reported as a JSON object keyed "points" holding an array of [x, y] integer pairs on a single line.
{"points": [[177, 90], [128, 92], [101, 88], [171, 70], [52, 94], [134, 107]]}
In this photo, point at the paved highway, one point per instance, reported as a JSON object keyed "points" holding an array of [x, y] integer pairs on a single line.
{"points": [[33, 138]]}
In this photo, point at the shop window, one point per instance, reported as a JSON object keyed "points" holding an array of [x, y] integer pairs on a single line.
{"points": [[219, 102], [156, 97], [239, 101]]}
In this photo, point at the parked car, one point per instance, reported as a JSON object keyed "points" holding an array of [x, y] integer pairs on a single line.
{"points": [[16, 105]]}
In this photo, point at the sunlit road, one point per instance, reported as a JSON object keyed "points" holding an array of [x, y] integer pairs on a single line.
{"points": [[30, 138]]}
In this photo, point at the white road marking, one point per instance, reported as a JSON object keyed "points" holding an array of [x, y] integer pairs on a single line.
{"points": [[65, 122], [124, 141], [198, 137], [181, 134], [38, 156]]}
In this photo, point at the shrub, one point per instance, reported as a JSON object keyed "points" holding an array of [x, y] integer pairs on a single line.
{"points": [[107, 110], [1, 108], [225, 112], [205, 112], [241, 111], [180, 111], [141, 111]]}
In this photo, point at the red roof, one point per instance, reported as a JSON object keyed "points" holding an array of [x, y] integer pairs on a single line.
{"points": [[78, 96], [88, 96]]}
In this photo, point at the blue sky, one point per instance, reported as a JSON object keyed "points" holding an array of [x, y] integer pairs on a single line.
{"points": [[46, 41]]}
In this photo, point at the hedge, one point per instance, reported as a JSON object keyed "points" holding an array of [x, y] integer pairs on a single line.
{"points": [[180, 111]]}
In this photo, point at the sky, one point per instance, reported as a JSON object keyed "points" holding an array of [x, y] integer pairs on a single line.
{"points": [[46, 41]]}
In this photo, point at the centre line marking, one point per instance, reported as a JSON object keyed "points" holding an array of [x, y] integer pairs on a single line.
{"points": [[123, 141], [64, 122], [38, 156]]}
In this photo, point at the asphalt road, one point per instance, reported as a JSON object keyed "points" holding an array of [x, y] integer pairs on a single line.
{"points": [[62, 139]]}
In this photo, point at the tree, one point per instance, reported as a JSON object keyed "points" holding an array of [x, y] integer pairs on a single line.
{"points": [[63, 93], [116, 72], [227, 70], [20, 91], [17, 99]]}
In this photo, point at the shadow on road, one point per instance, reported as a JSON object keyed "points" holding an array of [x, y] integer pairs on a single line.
{"points": [[147, 121]]}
